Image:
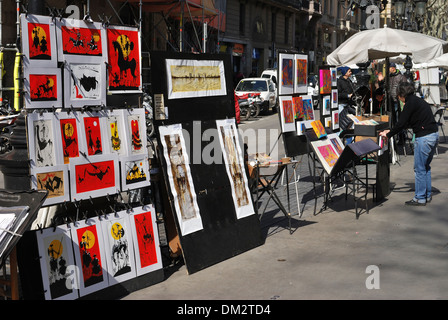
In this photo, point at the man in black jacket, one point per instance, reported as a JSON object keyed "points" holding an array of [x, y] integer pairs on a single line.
{"points": [[345, 93], [418, 116]]}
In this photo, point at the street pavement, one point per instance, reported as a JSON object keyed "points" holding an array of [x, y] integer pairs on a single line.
{"points": [[394, 252]]}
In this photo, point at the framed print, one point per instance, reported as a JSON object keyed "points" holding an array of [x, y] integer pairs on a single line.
{"points": [[189, 78], [234, 161], [79, 40], [326, 105], [334, 98], [70, 132], [93, 133], [94, 176], [124, 58], [336, 142], [55, 246], [301, 73], [327, 122], [53, 179], [300, 128], [286, 74], [42, 140], [119, 248], [325, 153], [134, 172], [308, 109], [38, 41], [90, 255], [135, 124], [324, 81], [84, 84], [114, 127], [145, 237], [334, 77], [180, 179], [335, 119], [287, 113], [43, 88], [297, 103]]}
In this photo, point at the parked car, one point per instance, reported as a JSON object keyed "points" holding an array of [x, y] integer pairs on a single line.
{"points": [[265, 87], [270, 74]]}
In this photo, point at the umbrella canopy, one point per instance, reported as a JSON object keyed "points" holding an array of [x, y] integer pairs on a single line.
{"points": [[440, 61], [386, 42]]}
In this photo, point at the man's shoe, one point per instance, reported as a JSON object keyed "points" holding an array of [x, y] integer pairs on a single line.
{"points": [[428, 200], [414, 203]]}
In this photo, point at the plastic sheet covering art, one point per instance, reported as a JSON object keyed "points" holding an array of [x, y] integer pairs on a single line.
{"points": [[195, 78], [124, 52], [57, 261], [180, 179], [234, 161]]}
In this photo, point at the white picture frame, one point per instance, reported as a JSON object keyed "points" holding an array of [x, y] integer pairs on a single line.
{"points": [[55, 179], [40, 88], [87, 235], [99, 167], [84, 84], [301, 86], [86, 41], [326, 105], [70, 137], [286, 74], [93, 133], [42, 140], [35, 41], [179, 69], [148, 257], [136, 141], [178, 171], [119, 247], [134, 172], [55, 247], [286, 113], [234, 161], [115, 132]]}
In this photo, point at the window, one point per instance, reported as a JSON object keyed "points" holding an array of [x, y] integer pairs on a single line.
{"points": [[273, 26], [242, 18]]}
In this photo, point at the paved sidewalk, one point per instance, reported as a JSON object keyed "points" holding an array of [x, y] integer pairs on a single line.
{"points": [[331, 255]]}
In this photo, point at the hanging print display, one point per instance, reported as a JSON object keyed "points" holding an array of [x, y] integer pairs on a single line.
{"points": [[234, 161], [145, 239], [78, 40], [325, 153], [324, 81], [335, 119], [301, 73], [124, 52], [54, 180], [195, 78], [297, 103], [93, 132], [38, 41], [287, 113], [134, 172], [180, 179], [286, 74], [89, 255], [56, 260], [84, 84], [326, 105], [114, 127], [43, 88], [334, 78], [42, 140], [119, 251], [94, 177], [69, 129], [136, 131], [334, 98]]}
